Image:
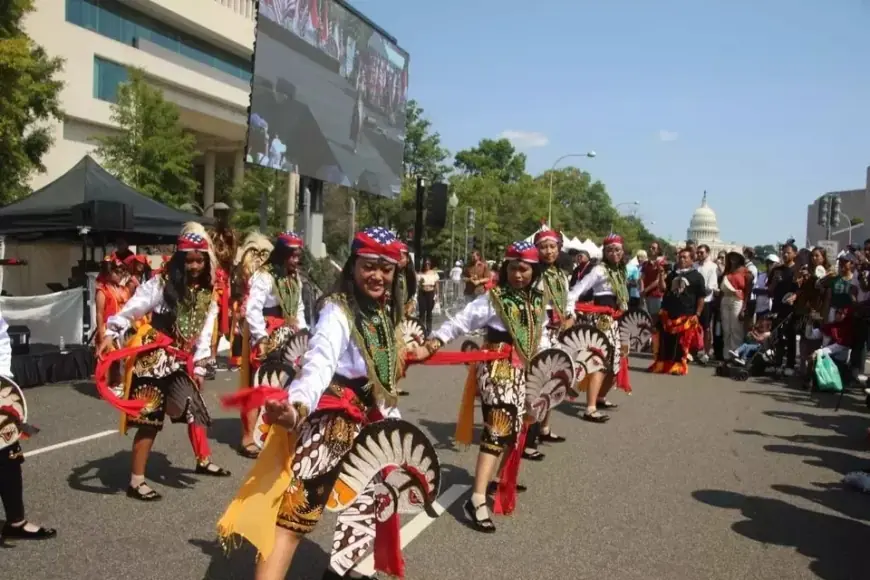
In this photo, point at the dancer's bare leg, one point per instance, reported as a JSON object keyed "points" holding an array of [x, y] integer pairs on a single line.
{"points": [[276, 566]]}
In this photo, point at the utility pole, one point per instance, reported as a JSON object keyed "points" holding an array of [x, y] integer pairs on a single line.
{"points": [[418, 223]]}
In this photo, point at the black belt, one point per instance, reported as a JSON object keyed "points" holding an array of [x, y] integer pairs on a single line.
{"points": [[608, 300], [494, 336], [360, 387], [274, 311], [163, 322]]}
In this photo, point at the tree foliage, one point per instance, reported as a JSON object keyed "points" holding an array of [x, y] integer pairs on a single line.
{"points": [[29, 100], [151, 153]]}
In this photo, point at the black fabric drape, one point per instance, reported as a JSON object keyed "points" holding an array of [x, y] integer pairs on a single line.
{"points": [[45, 364]]}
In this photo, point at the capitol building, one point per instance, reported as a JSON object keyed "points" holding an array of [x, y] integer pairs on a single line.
{"points": [[704, 229]]}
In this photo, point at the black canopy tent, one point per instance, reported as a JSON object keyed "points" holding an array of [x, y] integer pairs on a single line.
{"points": [[88, 195]]}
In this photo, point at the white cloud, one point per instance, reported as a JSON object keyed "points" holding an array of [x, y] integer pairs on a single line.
{"points": [[665, 135], [525, 139]]}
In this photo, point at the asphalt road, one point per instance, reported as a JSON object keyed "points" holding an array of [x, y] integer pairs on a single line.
{"points": [[695, 478]]}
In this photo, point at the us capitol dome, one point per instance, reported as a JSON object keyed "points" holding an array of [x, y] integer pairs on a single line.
{"points": [[704, 229]]}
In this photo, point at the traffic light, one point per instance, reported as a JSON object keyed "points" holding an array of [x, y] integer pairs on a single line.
{"points": [[824, 211], [436, 206], [835, 211], [471, 218]]}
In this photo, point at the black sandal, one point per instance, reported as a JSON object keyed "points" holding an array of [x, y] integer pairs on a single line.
{"points": [[605, 404], [213, 469], [249, 451], [484, 525], [550, 438], [533, 455], [492, 488], [10, 532], [138, 493], [595, 417]]}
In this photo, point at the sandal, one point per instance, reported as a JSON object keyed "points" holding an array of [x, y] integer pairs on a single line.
{"points": [[213, 469], [250, 451], [605, 404], [550, 438], [143, 492], [595, 417], [492, 488], [533, 455], [484, 525], [10, 532]]}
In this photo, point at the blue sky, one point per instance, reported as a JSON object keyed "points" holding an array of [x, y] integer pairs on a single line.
{"points": [[762, 103]]}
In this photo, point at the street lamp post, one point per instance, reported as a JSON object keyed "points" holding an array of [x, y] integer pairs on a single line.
{"points": [[589, 154], [453, 202]]}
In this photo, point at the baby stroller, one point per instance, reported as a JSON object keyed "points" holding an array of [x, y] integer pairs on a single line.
{"points": [[759, 362]]}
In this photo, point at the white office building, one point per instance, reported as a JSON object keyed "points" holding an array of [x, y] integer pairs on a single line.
{"points": [[197, 51]]}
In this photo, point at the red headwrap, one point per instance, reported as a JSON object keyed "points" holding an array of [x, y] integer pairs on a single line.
{"points": [[378, 243], [133, 258], [523, 251], [290, 240], [548, 235], [403, 247], [112, 260], [612, 240], [191, 242]]}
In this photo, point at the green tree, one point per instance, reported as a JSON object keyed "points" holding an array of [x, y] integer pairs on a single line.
{"points": [[496, 157], [247, 195], [424, 155], [152, 152], [29, 99]]}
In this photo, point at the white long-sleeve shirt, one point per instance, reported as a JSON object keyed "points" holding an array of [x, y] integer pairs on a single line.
{"points": [[263, 294], [596, 281], [479, 314], [5, 349], [331, 351], [710, 271], [149, 298]]}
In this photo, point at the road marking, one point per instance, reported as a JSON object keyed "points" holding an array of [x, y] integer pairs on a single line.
{"points": [[70, 442], [416, 526]]}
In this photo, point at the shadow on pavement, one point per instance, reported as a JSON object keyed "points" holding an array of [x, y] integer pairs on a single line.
{"points": [[87, 388], [309, 562], [111, 475], [836, 545], [835, 497], [442, 433], [843, 424], [830, 441], [226, 431], [836, 461]]}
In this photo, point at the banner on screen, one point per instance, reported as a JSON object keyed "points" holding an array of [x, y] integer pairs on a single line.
{"points": [[328, 96], [49, 316]]}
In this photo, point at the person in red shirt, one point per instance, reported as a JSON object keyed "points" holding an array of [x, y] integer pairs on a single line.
{"points": [[652, 275]]}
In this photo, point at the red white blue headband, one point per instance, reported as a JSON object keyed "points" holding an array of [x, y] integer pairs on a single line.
{"points": [[379, 243], [191, 242], [612, 240], [523, 251], [548, 235], [289, 239]]}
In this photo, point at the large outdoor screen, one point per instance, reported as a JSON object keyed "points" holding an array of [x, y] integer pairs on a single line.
{"points": [[328, 96]]}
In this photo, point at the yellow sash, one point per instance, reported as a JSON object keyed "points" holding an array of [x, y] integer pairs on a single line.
{"points": [[135, 342], [465, 423], [253, 512], [245, 367]]}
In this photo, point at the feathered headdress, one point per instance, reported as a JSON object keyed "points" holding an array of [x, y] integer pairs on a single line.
{"points": [[226, 241], [197, 228], [252, 254]]}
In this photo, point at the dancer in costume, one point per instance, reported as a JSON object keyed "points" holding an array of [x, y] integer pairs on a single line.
{"points": [[678, 330], [608, 284], [224, 242], [254, 253], [406, 287], [560, 317], [111, 294], [13, 428], [275, 315], [332, 417], [513, 318], [169, 356], [136, 266]]}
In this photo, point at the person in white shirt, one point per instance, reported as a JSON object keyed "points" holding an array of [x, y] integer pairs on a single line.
{"points": [[710, 272], [274, 313], [13, 413], [335, 408], [183, 308]]}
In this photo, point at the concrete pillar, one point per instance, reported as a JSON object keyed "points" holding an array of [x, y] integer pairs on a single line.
{"points": [[239, 167], [208, 184], [292, 196]]}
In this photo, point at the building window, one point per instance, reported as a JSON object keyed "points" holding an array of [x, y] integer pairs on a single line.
{"points": [[114, 20], [107, 76]]}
